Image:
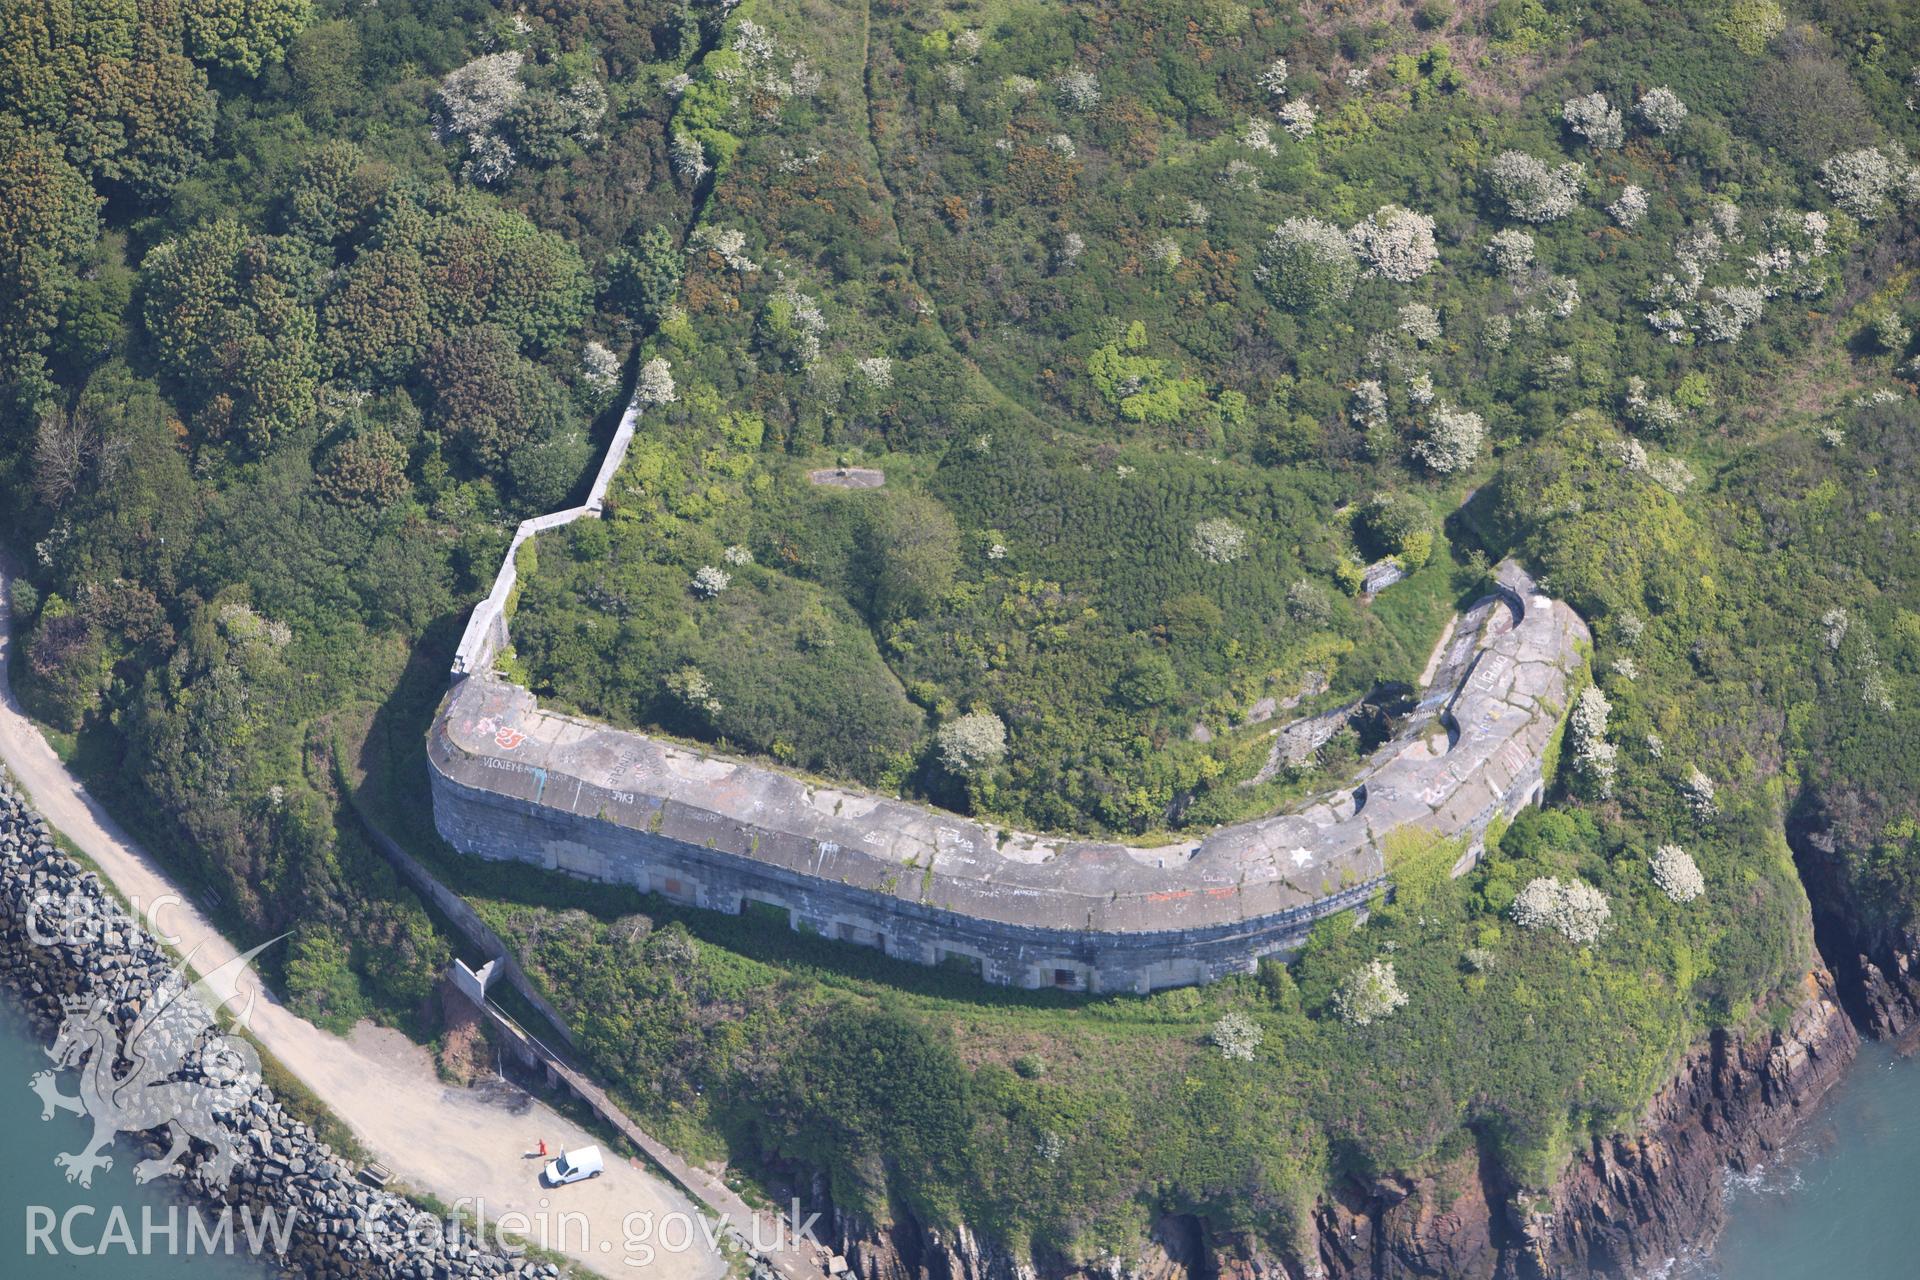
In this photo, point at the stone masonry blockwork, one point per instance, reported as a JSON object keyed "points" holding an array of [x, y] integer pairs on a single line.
{"points": [[512, 781]]}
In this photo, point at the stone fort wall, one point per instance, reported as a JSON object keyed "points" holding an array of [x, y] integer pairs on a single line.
{"points": [[514, 781], [485, 824]]}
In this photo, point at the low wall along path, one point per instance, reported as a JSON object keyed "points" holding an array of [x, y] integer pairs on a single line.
{"points": [[486, 632], [515, 782]]}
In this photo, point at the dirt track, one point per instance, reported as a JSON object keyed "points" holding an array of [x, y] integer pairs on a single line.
{"points": [[459, 1144]]}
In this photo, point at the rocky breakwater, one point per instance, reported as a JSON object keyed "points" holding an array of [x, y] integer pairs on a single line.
{"points": [[92, 979]]}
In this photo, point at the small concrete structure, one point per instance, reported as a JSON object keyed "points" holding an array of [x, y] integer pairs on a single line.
{"points": [[1380, 575], [848, 477], [472, 983], [513, 781]]}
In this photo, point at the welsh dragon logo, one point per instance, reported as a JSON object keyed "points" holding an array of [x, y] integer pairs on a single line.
{"points": [[175, 1069]]}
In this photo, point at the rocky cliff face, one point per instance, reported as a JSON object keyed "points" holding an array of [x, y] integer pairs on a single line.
{"points": [[1622, 1208], [1876, 960], [1631, 1203], [1627, 1204], [1889, 988]]}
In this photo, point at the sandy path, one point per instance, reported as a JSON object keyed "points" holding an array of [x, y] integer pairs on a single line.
{"points": [[458, 1144]]}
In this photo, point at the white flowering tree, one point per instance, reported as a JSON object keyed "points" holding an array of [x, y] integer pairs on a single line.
{"points": [[656, 384], [1453, 441], [1573, 909], [1308, 264], [1274, 78], [474, 101], [1861, 181], [1595, 760], [1395, 244], [1563, 294], [1236, 1036], [710, 580], [1511, 252], [690, 687], [474, 97], [1370, 408], [243, 626], [1834, 625], [1369, 994], [1077, 89], [1730, 310], [688, 158], [1594, 118], [599, 369], [1662, 109], [729, 244], [1298, 118], [793, 324], [1701, 795], [1218, 540], [1675, 871], [1652, 415], [489, 158], [971, 743], [1420, 322], [1531, 191], [1240, 176], [1630, 208]]}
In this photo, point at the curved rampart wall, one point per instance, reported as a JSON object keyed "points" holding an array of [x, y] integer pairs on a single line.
{"points": [[514, 781], [480, 821]]}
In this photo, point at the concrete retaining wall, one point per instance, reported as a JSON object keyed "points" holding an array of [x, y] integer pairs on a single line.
{"points": [[490, 825]]}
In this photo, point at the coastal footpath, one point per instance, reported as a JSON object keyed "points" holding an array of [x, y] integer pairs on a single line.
{"points": [[514, 781]]}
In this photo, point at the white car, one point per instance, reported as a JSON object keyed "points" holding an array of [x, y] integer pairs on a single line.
{"points": [[573, 1166]]}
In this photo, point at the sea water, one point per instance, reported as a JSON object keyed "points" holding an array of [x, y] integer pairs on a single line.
{"points": [[35, 1192], [1842, 1202]]}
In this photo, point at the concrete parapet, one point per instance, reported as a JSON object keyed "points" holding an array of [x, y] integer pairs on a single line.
{"points": [[513, 781]]}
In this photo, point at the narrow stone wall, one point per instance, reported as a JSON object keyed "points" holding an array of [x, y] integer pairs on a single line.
{"points": [[486, 632], [464, 918]]}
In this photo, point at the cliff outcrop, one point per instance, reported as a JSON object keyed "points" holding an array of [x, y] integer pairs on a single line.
{"points": [[1623, 1207]]}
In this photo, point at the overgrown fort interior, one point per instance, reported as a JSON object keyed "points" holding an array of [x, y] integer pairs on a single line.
{"points": [[1240, 638], [513, 781]]}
